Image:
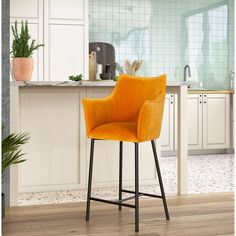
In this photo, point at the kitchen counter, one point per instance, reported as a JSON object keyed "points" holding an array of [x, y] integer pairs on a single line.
{"points": [[109, 83], [83, 83], [58, 150], [52, 113]]}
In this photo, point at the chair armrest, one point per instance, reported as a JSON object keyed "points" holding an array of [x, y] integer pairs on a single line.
{"points": [[97, 112], [150, 119]]}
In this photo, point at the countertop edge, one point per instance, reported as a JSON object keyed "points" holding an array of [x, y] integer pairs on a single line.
{"points": [[211, 91], [66, 84], [84, 83]]}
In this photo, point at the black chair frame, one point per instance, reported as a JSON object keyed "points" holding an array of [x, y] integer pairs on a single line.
{"points": [[136, 193]]}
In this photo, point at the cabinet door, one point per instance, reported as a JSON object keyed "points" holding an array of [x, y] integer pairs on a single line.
{"points": [[66, 51], [54, 154], [66, 9], [66, 42], [167, 138], [24, 9], [195, 121], [216, 123]]}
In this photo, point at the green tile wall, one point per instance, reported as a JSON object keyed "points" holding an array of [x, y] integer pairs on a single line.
{"points": [[167, 35]]}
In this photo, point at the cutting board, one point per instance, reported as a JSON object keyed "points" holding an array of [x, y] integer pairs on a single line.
{"points": [[105, 54]]}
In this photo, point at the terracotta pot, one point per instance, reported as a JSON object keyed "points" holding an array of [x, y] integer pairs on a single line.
{"points": [[22, 68]]}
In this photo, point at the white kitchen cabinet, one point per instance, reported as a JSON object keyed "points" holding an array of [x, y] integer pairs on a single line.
{"points": [[65, 51], [195, 121], [66, 9], [24, 9], [208, 121], [55, 159], [66, 41], [167, 129], [216, 121], [62, 25], [232, 120]]}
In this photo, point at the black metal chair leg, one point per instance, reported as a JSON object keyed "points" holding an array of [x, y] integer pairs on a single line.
{"points": [[90, 179], [120, 172], [160, 180], [136, 189]]}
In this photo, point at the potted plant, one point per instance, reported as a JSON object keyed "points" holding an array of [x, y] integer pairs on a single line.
{"points": [[12, 154], [22, 51]]}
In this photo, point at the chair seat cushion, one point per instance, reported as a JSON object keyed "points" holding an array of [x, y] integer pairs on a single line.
{"points": [[122, 131]]}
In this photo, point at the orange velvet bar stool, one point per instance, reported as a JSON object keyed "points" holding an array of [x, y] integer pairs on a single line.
{"points": [[132, 113]]}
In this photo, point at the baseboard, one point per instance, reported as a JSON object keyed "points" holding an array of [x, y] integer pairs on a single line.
{"points": [[201, 152]]}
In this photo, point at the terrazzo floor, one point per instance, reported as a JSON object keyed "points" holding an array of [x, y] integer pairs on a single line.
{"points": [[206, 173]]}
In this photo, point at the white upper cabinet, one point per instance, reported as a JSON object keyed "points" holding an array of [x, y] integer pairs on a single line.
{"points": [[66, 9], [62, 25], [65, 51], [216, 121], [65, 38], [195, 121], [24, 8]]}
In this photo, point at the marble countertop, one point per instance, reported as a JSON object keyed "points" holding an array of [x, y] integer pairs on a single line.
{"points": [[107, 83], [84, 83]]}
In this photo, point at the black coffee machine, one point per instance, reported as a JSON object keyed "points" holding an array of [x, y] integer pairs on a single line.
{"points": [[105, 54]]}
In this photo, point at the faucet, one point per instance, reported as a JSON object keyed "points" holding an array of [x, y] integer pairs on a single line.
{"points": [[187, 67]]}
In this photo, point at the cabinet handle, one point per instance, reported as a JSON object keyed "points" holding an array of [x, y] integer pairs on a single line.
{"points": [[200, 99], [171, 99]]}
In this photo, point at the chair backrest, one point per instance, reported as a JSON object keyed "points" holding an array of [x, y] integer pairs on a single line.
{"points": [[132, 91]]}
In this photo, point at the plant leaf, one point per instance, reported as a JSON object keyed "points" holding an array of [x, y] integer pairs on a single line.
{"points": [[11, 150], [21, 45]]}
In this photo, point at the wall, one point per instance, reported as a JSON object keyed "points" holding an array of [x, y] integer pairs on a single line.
{"points": [[157, 31]]}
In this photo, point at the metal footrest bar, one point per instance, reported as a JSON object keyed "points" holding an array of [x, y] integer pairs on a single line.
{"points": [[143, 194], [112, 202], [128, 198]]}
